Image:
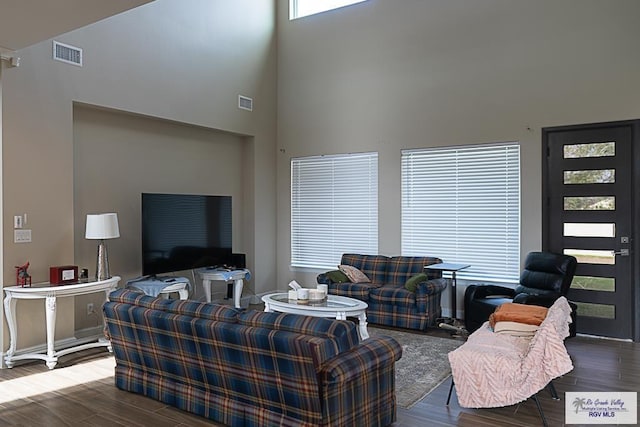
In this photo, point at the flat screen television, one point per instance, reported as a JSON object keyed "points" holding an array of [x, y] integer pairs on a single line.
{"points": [[183, 231]]}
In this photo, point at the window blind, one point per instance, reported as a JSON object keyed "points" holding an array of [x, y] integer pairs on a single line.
{"points": [[334, 208], [462, 204]]}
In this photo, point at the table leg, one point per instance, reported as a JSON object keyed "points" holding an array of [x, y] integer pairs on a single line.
{"points": [[237, 292], [50, 303], [454, 296], [362, 318], [184, 293], [104, 339], [267, 307], [206, 285], [10, 312]]}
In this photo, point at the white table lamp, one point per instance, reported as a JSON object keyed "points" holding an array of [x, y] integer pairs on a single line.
{"points": [[101, 227]]}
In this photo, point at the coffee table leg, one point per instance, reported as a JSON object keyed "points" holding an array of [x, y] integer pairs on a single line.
{"points": [[362, 322], [362, 317]]}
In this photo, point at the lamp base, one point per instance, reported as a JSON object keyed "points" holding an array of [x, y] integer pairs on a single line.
{"points": [[102, 263]]}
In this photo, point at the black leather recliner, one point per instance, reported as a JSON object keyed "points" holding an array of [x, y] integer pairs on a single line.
{"points": [[545, 278]]}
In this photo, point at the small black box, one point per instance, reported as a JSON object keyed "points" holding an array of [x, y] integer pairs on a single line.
{"points": [[239, 260]]}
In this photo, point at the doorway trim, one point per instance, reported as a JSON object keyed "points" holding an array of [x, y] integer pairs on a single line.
{"points": [[635, 186]]}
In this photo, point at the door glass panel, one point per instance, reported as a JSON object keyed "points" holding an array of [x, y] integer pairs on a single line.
{"points": [[593, 176], [595, 149], [590, 203], [574, 229], [589, 283], [585, 256], [604, 311]]}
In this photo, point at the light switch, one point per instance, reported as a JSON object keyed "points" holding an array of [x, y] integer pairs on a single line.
{"points": [[17, 221]]}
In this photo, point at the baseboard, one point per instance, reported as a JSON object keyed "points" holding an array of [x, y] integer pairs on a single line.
{"points": [[83, 336]]}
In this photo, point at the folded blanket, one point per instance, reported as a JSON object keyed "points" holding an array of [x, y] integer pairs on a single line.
{"points": [[521, 313], [515, 329]]}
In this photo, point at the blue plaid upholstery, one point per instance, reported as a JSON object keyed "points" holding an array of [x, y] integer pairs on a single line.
{"points": [[251, 368], [374, 266], [354, 290], [389, 302]]}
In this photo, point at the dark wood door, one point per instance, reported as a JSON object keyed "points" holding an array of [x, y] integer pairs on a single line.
{"points": [[588, 213]]}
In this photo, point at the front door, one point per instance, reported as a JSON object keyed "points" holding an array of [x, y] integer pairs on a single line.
{"points": [[588, 213]]}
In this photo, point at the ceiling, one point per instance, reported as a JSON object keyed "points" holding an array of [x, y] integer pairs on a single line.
{"points": [[27, 22]]}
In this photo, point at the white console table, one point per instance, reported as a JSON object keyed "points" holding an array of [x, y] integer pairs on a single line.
{"points": [[50, 293], [238, 276]]}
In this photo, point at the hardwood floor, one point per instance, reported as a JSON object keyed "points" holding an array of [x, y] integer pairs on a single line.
{"points": [[599, 365], [80, 392]]}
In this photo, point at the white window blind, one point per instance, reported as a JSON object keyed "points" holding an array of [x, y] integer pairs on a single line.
{"points": [[462, 204], [334, 208]]}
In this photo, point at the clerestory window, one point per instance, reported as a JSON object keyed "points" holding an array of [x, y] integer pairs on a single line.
{"points": [[301, 8]]}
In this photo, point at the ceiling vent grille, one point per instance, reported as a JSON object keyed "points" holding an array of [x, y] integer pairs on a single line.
{"points": [[67, 53], [245, 103]]}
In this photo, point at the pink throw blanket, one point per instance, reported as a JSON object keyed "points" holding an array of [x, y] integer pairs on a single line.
{"points": [[492, 370]]}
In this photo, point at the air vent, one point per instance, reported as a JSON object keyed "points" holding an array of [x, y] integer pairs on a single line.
{"points": [[245, 103], [66, 53]]}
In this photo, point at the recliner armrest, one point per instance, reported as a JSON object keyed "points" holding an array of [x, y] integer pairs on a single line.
{"points": [[484, 291]]}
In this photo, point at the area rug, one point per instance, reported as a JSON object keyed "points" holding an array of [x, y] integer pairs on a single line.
{"points": [[424, 364]]}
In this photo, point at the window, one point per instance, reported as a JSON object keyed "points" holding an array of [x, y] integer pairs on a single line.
{"points": [[301, 8], [334, 208], [462, 204]]}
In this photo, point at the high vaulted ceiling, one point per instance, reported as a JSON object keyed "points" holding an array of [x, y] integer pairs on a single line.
{"points": [[26, 22]]}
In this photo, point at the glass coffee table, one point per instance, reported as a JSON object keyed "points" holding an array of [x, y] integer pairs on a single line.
{"points": [[333, 306]]}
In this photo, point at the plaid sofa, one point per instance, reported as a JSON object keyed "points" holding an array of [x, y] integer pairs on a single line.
{"points": [[250, 368], [390, 303]]}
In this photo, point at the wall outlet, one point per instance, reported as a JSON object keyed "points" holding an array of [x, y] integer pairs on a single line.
{"points": [[90, 309]]}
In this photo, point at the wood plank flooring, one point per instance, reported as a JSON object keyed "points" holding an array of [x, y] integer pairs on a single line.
{"points": [[81, 392]]}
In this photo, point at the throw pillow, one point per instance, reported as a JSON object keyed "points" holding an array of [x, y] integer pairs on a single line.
{"points": [[412, 283], [337, 276], [355, 275]]}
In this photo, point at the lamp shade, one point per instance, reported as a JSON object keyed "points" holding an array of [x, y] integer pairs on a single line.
{"points": [[102, 226]]}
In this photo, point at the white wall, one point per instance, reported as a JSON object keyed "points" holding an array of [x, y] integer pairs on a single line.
{"points": [[386, 75], [184, 62]]}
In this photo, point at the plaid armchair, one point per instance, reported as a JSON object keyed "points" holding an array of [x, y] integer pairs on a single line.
{"points": [[390, 303], [250, 368]]}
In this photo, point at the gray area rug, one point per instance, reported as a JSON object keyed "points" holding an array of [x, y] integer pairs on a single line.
{"points": [[423, 366]]}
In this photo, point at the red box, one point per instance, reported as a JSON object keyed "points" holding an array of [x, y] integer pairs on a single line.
{"points": [[63, 274]]}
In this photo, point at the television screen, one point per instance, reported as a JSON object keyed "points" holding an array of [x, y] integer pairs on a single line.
{"points": [[182, 231]]}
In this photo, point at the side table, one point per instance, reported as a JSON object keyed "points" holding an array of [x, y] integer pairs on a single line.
{"points": [[155, 286], [453, 268], [49, 293], [224, 275]]}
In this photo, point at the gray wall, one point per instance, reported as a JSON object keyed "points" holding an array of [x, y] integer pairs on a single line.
{"points": [[386, 75], [182, 62], [382, 75], [118, 156]]}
